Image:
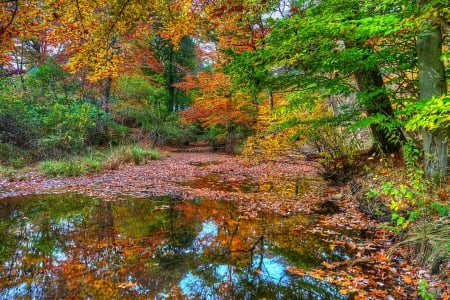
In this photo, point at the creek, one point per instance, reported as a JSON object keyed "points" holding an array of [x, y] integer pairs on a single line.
{"points": [[73, 246]]}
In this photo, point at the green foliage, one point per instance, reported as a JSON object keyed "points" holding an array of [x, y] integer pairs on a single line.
{"points": [[412, 155], [71, 167], [144, 106], [49, 81], [175, 61], [136, 154], [62, 168], [139, 88], [422, 289], [67, 126], [139, 101], [170, 131], [407, 194], [430, 114], [18, 123], [141, 155], [14, 156], [96, 161], [442, 209]]}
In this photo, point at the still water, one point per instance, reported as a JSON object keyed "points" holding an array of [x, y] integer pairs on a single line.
{"points": [[76, 247]]}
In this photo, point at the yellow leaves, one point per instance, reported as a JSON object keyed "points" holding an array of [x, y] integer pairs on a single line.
{"points": [[285, 128], [101, 62], [216, 104]]}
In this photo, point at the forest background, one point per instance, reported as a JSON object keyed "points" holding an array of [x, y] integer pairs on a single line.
{"points": [[339, 81]]}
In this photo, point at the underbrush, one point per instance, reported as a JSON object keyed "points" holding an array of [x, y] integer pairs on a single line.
{"points": [[412, 206], [8, 172], [96, 161]]}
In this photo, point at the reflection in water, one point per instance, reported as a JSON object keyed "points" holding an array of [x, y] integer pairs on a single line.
{"points": [[289, 187], [72, 246]]}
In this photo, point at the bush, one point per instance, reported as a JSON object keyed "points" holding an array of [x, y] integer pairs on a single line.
{"points": [[67, 126], [16, 157], [17, 123]]}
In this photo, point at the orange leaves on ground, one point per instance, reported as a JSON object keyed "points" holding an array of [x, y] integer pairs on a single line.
{"points": [[407, 279]]}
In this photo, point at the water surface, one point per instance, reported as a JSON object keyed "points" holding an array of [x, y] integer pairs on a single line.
{"points": [[73, 246]]}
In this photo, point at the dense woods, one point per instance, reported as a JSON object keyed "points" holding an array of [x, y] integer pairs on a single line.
{"points": [[359, 87]]}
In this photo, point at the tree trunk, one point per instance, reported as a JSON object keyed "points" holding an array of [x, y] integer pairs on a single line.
{"points": [[388, 140], [432, 83], [106, 93], [229, 146]]}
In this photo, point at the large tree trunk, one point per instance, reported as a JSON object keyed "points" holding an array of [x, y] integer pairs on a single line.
{"points": [[370, 82], [432, 83]]}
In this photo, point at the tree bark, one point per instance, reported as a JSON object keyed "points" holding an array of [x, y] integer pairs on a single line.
{"points": [[432, 83], [388, 140]]}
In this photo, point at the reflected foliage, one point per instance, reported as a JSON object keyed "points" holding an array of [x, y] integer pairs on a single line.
{"points": [[72, 246]]}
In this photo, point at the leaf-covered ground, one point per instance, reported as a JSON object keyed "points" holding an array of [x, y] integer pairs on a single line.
{"points": [[284, 186], [181, 173]]}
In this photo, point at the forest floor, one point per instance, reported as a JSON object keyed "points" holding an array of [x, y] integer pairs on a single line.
{"points": [[282, 186]]}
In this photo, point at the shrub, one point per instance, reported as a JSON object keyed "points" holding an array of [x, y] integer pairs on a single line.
{"points": [[67, 126], [18, 125]]}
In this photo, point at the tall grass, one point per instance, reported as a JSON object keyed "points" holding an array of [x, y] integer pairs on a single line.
{"points": [[97, 161], [429, 243]]}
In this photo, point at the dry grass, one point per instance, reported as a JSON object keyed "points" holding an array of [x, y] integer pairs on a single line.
{"points": [[429, 244]]}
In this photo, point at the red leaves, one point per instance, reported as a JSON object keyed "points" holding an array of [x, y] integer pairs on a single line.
{"points": [[368, 273]]}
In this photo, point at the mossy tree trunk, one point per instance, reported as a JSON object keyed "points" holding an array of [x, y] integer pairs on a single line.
{"points": [[387, 139], [432, 83]]}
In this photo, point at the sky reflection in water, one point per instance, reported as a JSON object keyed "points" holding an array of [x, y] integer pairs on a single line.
{"points": [[72, 246]]}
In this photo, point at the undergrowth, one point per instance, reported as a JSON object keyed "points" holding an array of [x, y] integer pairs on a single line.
{"points": [[419, 208], [96, 161]]}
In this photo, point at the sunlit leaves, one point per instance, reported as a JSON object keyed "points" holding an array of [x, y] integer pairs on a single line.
{"points": [[215, 104], [430, 114]]}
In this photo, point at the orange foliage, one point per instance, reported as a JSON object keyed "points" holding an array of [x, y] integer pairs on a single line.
{"points": [[21, 20], [215, 103], [241, 29]]}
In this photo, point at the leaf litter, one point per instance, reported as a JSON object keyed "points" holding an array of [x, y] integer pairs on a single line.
{"points": [[284, 186]]}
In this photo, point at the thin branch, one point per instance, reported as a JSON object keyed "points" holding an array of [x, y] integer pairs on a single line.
{"points": [[122, 9], [16, 8], [79, 12]]}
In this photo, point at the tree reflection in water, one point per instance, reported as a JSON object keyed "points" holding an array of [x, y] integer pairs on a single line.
{"points": [[73, 246]]}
